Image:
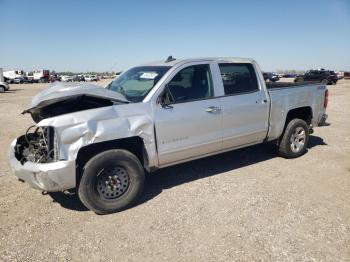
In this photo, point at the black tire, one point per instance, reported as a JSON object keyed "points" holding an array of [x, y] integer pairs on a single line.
{"points": [[120, 164], [288, 146]]}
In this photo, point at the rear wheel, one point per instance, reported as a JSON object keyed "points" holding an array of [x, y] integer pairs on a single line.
{"points": [[111, 181], [294, 140]]}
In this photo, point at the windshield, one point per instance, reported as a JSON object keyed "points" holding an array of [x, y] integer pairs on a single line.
{"points": [[136, 83]]}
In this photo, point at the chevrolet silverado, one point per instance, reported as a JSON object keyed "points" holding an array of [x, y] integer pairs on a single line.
{"points": [[102, 141]]}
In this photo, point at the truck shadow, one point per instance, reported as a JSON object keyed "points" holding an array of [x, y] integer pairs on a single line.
{"points": [[187, 172], [69, 201], [210, 166]]}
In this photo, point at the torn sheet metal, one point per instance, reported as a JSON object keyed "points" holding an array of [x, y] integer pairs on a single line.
{"points": [[82, 128], [76, 123]]}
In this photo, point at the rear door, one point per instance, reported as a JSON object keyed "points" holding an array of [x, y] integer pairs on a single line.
{"points": [[190, 126], [244, 105]]}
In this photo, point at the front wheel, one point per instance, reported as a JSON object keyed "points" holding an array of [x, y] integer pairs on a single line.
{"points": [[294, 139], [112, 181]]}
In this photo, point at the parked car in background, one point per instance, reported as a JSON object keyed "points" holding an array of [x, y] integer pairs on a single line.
{"points": [[20, 80], [78, 78], [346, 75], [90, 78], [30, 80], [101, 141], [67, 78], [54, 78], [271, 77], [289, 75], [321, 75]]}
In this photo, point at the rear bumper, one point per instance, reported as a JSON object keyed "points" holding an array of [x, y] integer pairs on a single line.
{"points": [[51, 177], [323, 119]]}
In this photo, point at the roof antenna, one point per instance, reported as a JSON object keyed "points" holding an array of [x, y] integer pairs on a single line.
{"points": [[169, 59]]}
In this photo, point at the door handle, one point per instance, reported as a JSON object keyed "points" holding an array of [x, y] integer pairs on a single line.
{"points": [[261, 101], [213, 109]]}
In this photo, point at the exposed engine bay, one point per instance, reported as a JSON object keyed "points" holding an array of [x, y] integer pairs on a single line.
{"points": [[38, 145]]}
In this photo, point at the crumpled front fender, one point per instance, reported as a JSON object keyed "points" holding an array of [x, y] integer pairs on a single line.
{"points": [[79, 129]]}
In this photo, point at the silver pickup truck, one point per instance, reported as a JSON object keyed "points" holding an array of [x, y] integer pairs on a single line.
{"points": [[102, 141]]}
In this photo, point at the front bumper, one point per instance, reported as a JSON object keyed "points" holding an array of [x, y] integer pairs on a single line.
{"points": [[51, 177]]}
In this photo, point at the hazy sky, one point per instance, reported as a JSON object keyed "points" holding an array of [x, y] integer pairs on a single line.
{"points": [[112, 35]]}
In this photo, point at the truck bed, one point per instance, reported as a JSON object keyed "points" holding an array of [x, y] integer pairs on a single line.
{"points": [[275, 85], [287, 96]]}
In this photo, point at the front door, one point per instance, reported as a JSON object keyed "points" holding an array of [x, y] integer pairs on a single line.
{"points": [[189, 125]]}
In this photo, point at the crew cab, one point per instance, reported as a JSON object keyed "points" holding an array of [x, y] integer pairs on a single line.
{"points": [[102, 141]]}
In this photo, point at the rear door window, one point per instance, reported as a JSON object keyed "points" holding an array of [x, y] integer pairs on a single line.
{"points": [[238, 78]]}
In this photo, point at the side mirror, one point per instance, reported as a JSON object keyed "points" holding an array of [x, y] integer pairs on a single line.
{"points": [[165, 98]]}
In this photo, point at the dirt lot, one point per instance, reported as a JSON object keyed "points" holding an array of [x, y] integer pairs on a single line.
{"points": [[245, 205]]}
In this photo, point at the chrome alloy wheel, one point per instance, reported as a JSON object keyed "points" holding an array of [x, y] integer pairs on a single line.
{"points": [[297, 139], [112, 182]]}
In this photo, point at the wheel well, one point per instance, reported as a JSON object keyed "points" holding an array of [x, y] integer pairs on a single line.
{"points": [[133, 144], [304, 113]]}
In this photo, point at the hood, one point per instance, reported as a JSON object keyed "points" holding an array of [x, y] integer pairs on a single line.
{"points": [[59, 91], [64, 98]]}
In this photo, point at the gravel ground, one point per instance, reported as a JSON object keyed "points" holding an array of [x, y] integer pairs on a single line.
{"points": [[244, 205]]}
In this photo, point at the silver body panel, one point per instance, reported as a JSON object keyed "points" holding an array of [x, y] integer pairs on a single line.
{"points": [[173, 135], [285, 99]]}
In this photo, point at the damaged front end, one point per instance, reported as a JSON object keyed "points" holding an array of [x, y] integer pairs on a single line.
{"points": [[68, 119], [34, 159], [38, 145]]}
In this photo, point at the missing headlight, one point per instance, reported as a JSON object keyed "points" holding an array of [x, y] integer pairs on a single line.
{"points": [[38, 145]]}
